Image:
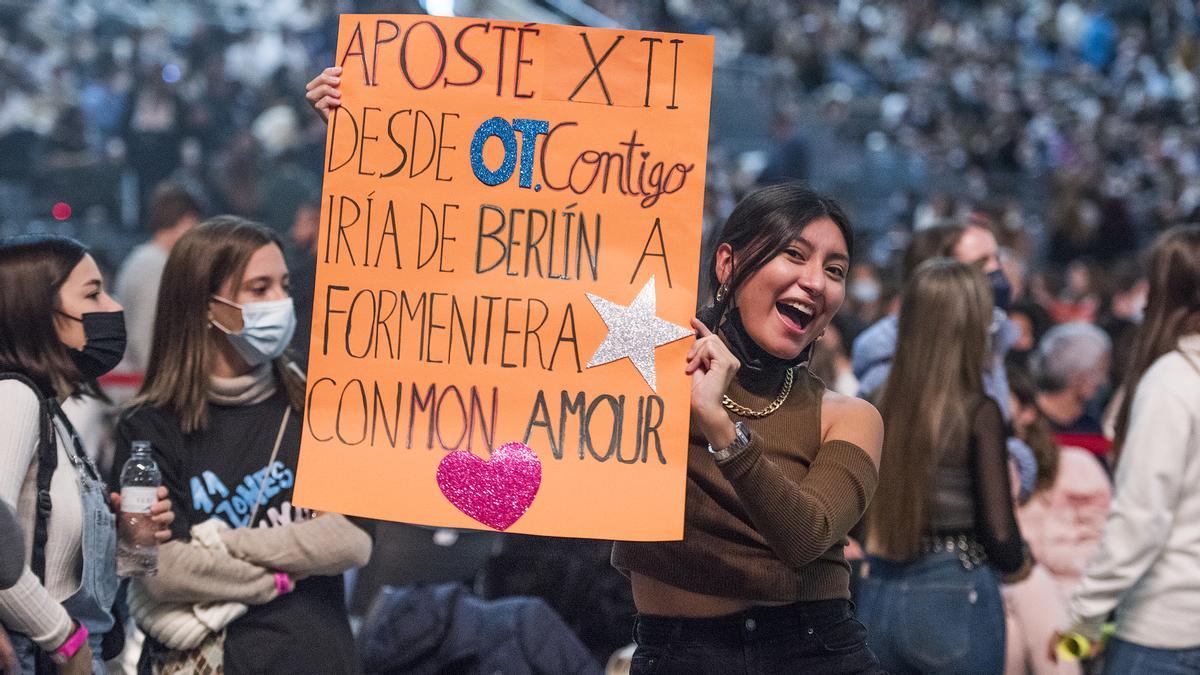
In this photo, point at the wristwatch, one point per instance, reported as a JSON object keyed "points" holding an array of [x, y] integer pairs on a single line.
{"points": [[77, 639], [740, 442]]}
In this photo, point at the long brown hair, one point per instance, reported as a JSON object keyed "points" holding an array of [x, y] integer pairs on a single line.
{"points": [[943, 340], [201, 262], [1172, 311], [1037, 435], [33, 269]]}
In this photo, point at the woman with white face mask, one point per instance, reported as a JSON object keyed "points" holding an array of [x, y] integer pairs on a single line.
{"points": [[222, 405]]}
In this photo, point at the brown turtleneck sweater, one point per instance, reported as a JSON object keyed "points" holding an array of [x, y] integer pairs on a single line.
{"points": [[769, 524]]}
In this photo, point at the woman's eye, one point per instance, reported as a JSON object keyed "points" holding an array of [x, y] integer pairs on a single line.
{"points": [[837, 272], [795, 253]]}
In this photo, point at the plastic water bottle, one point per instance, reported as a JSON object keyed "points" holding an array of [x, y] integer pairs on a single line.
{"points": [[137, 548]]}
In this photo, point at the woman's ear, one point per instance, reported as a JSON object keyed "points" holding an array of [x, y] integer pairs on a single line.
{"points": [[724, 263]]}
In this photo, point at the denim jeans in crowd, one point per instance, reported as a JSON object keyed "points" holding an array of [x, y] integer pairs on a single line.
{"points": [[804, 637], [933, 615], [1126, 658]]}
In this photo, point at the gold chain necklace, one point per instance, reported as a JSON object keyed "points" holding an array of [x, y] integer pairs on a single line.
{"points": [[742, 411]]}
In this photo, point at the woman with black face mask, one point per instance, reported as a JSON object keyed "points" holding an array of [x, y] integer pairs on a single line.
{"points": [[59, 331]]}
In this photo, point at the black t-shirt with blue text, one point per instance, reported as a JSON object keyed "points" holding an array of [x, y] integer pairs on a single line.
{"points": [[218, 472]]}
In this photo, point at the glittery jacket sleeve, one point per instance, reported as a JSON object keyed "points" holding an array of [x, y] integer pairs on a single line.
{"points": [[801, 520]]}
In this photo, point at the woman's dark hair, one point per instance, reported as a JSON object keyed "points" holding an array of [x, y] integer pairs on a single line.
{"points": [[766, 222], [32, 270]]}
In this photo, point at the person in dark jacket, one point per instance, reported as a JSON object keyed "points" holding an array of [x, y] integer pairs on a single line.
{"points": [[427, 629]]}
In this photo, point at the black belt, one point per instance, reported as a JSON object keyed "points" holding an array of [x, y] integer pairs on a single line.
{"points": [[970, 553]]}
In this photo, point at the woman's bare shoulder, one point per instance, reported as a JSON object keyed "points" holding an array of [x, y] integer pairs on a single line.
{"points": [[851, 419]]}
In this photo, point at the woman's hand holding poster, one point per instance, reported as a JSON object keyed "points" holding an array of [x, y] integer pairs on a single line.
{"points": [[510, 235]]}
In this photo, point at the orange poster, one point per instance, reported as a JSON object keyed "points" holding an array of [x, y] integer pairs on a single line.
{"points": [[510, 239]]}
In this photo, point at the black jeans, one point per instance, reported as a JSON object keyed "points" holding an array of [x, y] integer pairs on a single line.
{"points": [[804, 637]]}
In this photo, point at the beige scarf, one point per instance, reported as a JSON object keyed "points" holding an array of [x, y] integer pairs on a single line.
{"points": [[255, 386]]}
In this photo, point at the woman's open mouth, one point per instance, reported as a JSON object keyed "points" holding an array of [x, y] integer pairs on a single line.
{"points": [[795, 316]]}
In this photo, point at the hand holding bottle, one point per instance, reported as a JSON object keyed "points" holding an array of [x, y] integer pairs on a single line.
{"points": [[137, 531]]}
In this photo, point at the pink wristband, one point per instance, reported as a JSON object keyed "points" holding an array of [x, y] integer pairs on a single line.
{"points": [[72, 645], [283, 583]]}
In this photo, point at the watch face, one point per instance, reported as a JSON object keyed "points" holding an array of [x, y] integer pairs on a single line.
{"points": [[740, 441]]}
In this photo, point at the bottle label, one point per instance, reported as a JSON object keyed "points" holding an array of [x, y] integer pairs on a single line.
{"points": [[137, 499]]}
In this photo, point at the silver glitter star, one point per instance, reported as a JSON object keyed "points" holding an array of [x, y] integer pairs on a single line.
{"points": [[634, 332]]}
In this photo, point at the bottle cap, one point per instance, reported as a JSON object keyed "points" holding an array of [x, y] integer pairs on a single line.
{"points": [[1073, 647]]}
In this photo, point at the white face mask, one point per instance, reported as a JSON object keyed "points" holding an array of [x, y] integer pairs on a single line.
{"points": [[267, 329], [865, 290]]}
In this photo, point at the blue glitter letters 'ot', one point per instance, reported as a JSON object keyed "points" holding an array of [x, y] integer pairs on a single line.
{"points": [[500, 128]]}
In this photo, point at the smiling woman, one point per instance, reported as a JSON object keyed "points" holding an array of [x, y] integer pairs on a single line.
{"points": [[779, 468]]}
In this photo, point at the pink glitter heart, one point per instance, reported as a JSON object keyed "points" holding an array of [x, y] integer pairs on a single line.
{"points": [[496, 492]]}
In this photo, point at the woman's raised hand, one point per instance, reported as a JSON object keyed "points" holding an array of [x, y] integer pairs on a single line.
{"points": [[712, 367], [323, 93]]}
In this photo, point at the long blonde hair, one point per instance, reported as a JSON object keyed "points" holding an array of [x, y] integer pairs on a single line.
{"points": [[180, 356], [945, 314]]}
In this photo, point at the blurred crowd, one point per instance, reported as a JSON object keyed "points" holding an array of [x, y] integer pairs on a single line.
{"points": [[1097, 100], [1068, 132], [101, 102]]}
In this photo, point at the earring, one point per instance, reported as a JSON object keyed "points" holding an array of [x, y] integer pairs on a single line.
{"points": [[820, 336], [722, 292]]}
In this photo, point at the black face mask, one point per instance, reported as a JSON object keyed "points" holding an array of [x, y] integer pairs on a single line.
{"points": [[1001, 290], [105, 346], [757, 362]]}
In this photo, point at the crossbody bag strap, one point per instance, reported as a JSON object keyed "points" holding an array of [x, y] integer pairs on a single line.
{"points": [[47, 463], [262, 484]]}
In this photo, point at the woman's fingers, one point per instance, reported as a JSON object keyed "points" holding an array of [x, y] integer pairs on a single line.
{"points": [[162, 513], [717, 351], [701, 329], [701, 346], [709, 353], [329, 75], [322, 92], [162, 503], [163, 516]]}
